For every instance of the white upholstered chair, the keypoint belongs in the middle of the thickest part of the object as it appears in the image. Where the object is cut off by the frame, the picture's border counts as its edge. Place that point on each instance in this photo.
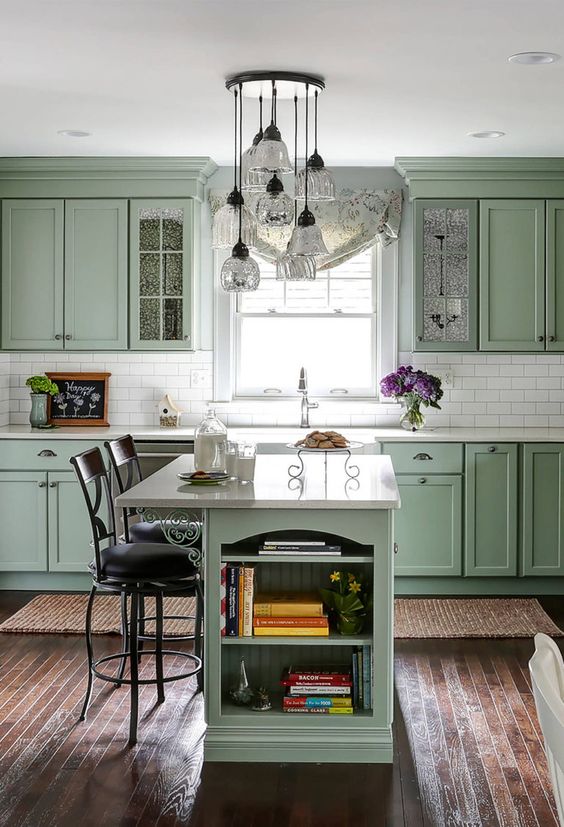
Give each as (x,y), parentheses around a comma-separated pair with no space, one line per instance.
(547,674)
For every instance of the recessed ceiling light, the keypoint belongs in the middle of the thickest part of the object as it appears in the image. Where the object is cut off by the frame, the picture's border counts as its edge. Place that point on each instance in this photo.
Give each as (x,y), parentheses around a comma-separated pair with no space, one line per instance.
(534,58)
(487,133)
(73,133)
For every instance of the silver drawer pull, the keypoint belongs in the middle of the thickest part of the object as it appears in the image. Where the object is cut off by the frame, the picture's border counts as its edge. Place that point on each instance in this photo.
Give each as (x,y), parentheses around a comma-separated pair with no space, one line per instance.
(423,456)
(422,480)
(46,452)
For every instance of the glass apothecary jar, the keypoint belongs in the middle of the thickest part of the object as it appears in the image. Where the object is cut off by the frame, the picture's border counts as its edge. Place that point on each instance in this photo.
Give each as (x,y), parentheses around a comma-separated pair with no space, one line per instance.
(210,444)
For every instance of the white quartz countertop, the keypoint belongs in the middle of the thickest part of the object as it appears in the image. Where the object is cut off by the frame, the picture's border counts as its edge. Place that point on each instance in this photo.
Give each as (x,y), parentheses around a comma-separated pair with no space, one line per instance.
(273,487)
(284,434)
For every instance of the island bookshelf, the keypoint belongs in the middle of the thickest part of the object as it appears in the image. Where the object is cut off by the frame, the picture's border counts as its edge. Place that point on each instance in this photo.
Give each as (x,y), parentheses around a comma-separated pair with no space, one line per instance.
(240,734)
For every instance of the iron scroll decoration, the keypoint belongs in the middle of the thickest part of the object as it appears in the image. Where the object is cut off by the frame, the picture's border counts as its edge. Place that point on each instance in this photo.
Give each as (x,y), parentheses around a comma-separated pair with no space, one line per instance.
(181,528)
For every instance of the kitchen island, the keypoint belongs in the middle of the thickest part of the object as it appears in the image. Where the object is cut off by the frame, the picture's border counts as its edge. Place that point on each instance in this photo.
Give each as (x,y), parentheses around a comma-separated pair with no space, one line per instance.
(357,514)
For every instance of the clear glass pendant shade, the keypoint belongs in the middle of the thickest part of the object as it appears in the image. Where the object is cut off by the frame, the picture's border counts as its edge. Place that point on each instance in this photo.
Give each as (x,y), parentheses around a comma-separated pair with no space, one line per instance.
(240,273)
(306,238)
(271,154)
(275,208)
(225,230)
(320,184)
(295,268)
(253,179)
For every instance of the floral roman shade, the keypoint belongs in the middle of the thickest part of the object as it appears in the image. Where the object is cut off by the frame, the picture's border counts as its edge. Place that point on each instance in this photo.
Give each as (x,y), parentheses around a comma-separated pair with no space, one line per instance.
(356,220)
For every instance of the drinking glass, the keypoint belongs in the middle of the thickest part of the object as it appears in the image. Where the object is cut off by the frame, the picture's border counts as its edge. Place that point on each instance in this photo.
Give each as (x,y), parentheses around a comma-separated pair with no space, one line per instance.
(246,458)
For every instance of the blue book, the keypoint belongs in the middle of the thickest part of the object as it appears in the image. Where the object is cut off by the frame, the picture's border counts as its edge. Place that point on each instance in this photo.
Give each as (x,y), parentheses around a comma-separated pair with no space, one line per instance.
(367,677)
(355,679)
(232,601)
(360,674)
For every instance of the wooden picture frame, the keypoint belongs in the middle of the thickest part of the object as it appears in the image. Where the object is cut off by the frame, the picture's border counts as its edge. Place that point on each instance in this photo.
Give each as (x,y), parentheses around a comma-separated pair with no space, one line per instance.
(79,388)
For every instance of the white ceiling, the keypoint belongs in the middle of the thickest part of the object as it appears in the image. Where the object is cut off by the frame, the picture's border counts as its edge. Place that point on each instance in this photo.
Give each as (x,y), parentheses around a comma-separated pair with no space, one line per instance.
(404,77)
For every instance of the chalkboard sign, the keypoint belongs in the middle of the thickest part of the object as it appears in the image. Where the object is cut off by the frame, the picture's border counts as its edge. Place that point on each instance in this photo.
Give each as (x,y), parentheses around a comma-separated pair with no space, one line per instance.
(82,399)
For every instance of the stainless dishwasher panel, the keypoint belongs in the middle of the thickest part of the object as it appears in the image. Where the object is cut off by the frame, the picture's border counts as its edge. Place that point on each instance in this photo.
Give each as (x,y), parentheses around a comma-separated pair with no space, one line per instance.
(155,455)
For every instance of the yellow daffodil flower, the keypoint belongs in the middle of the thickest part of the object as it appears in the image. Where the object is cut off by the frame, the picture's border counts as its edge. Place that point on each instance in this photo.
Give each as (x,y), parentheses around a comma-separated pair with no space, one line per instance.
(335,576)
(354,587)
(351,577)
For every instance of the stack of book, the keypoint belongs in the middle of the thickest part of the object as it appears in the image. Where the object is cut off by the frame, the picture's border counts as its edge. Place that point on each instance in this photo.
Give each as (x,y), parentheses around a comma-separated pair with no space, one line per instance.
(298,546)
(315,689)
(290,615)
(237,589)
(362,677)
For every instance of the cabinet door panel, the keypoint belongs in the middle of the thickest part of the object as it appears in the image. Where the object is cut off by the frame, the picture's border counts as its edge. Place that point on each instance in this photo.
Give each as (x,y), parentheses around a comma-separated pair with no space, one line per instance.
(69,526)
(542,508)
(491,510)
(23,517)
(162,239)
(446,253)
(428,527)
(96,274)
(512,277)
(32,274)
(555,275)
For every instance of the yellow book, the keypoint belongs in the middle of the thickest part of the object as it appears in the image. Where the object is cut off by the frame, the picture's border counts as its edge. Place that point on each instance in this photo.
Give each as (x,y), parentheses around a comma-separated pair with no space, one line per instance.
(291,631)
(291,604)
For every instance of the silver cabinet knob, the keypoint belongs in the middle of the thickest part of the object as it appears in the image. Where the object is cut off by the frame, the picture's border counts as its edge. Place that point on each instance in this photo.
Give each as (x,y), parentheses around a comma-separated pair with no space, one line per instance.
(491,449)
(46,452)
(540,338)
(551,338)
(58,337)
(422,480)
(52,485)
(68,337)
(41,485)
(187,338)
(420,338)
(396,548)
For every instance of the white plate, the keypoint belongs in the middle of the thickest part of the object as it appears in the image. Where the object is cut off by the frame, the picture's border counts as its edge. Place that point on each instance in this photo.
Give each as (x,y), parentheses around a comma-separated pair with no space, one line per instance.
(350,447)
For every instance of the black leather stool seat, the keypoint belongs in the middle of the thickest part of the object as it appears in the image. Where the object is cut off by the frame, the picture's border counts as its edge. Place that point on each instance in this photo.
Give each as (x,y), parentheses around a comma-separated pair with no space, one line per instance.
(143,532)
(136,561)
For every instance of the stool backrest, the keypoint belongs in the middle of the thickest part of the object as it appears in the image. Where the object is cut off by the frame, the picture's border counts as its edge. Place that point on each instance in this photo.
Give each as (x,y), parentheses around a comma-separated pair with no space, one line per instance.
(547,676)
(93,479)
(126,468)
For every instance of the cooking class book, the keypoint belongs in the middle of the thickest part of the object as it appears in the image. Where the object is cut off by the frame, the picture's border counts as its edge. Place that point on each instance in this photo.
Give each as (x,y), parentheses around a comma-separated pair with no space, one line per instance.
(290,604)
(323,710)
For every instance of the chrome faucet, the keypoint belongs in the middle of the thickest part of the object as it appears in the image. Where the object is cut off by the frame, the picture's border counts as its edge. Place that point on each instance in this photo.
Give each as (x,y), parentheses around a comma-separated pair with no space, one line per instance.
(306,404)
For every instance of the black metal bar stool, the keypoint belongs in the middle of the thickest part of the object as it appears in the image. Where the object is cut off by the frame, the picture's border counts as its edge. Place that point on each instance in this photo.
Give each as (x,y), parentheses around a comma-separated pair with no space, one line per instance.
(133,570)
(124,462)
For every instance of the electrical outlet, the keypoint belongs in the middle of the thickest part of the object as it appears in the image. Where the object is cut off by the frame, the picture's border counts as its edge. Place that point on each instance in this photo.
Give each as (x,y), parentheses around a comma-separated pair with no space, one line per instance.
(447,377)
(198,378)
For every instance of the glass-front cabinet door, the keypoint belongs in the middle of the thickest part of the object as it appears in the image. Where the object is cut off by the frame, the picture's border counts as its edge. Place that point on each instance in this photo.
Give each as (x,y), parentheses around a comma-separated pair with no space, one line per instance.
(162,302)
(445,275)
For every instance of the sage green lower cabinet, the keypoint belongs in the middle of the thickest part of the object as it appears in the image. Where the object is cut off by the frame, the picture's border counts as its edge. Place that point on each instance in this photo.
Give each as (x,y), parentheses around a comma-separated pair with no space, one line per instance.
(238,734)
(428,527)
(69,528)
(543,509)
(23,517)
(512,275)
(491,510)
(96,311)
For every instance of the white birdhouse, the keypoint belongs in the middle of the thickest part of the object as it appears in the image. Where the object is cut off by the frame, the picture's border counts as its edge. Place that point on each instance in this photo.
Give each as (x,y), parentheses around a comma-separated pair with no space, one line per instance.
(169,413)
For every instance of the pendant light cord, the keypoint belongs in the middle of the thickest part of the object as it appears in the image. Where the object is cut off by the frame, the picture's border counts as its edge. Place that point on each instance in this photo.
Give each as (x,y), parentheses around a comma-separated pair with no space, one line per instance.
(316,94)
(235,94)
(260,114)
(296,159)
(272,101)
(306,144)
(240,157)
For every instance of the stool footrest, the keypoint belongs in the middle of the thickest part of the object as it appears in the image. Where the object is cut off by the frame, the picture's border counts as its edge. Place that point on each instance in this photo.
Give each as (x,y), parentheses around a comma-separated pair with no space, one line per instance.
(146,681)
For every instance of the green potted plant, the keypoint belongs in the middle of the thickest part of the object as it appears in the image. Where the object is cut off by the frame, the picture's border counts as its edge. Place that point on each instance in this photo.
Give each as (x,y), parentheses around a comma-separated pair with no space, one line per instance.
(349,601)
(41,388)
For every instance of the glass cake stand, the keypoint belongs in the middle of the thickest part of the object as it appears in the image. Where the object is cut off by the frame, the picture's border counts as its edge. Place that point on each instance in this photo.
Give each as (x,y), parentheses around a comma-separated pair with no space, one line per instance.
(296,469)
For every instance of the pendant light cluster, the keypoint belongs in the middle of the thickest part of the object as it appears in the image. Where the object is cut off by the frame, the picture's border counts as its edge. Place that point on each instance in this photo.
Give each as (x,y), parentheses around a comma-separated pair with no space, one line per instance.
(260,169)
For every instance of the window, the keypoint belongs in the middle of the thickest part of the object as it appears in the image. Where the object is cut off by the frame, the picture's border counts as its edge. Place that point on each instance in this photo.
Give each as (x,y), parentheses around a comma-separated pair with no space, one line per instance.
(327,325)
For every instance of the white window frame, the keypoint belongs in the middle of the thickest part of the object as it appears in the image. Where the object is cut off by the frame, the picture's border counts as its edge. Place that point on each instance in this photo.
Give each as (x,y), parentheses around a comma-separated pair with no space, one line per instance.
(386,262)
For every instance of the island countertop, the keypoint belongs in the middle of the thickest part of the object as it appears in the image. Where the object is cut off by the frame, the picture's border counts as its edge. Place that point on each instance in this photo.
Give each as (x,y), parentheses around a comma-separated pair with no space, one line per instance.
(273,487)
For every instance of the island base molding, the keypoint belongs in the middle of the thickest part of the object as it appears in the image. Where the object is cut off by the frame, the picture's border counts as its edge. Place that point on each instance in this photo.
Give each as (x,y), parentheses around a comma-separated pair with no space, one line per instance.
(478,586)
(366,746)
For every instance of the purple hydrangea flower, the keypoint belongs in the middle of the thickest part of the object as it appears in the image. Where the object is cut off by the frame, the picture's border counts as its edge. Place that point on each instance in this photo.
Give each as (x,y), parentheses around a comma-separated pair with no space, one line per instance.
(416,386)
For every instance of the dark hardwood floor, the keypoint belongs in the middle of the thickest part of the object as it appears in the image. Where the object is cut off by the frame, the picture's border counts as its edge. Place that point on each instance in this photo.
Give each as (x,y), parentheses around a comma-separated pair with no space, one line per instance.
(468,749)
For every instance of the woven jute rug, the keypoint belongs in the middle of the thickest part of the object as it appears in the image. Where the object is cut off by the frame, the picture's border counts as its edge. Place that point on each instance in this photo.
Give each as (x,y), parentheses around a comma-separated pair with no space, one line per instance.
(487,617)
(65,614)
(414,617)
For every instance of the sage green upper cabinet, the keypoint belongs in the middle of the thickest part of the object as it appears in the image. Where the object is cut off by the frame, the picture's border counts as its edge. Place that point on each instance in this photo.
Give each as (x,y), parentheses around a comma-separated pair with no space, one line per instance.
(512,275)
(446,275)
(162,245)
(428,527)
(555,275)
(96,274)
(491,510)
(543,509)
(32,274)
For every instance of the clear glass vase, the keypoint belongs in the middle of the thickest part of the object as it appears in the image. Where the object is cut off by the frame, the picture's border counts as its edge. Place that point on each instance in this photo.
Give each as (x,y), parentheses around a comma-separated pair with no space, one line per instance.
(412,419)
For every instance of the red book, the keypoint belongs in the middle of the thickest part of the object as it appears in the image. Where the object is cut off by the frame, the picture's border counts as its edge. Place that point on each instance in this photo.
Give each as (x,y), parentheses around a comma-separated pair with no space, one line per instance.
(315,677)
(290,621)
